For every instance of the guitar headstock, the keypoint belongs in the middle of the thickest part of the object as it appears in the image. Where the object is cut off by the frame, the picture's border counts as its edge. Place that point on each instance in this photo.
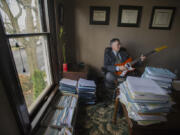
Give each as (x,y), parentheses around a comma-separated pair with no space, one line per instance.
(160,48)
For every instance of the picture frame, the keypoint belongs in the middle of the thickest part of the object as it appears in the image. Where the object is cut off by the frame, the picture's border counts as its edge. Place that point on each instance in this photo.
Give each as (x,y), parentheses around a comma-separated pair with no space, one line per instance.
(129,16)
(99,15)
(162,17)
(61,14)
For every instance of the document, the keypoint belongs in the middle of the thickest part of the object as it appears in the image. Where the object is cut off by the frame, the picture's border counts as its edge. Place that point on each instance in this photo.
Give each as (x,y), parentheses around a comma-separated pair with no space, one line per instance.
(144,86)
(69,82)
(86,83)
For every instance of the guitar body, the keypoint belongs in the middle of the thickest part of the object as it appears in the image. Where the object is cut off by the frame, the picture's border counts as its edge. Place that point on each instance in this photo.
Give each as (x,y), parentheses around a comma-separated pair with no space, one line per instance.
(119,73)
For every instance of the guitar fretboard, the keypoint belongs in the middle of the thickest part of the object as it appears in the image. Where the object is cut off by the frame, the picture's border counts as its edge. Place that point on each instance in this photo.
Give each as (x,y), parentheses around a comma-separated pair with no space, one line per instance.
(138,59)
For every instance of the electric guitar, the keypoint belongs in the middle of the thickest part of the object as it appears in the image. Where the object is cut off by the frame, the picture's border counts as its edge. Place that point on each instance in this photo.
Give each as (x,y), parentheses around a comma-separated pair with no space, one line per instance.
(129,62)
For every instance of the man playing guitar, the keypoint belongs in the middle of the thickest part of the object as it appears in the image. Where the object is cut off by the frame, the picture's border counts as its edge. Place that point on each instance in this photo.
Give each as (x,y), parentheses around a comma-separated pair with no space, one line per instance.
(113,57)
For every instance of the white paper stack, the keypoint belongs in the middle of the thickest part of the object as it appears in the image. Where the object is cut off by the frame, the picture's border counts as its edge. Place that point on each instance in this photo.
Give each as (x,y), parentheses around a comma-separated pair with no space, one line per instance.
(163,77)
(146,102)
(145,89)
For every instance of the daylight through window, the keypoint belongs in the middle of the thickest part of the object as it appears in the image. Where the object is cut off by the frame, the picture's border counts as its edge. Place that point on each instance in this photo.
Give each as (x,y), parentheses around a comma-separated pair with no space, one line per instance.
(30,52)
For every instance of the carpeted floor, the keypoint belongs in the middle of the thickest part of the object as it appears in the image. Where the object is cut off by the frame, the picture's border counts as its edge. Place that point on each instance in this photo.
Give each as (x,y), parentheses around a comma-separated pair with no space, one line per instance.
(97,119)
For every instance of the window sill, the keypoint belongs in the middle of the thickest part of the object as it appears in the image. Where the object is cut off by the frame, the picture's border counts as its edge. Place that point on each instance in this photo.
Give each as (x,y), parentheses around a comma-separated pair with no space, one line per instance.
(43,108)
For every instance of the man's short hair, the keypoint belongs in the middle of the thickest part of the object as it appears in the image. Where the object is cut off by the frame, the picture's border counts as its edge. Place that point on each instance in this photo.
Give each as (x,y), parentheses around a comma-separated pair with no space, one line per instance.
(114,40)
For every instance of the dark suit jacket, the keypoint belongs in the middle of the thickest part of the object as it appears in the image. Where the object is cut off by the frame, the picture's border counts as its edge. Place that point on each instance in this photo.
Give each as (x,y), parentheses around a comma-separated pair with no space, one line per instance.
(110,59)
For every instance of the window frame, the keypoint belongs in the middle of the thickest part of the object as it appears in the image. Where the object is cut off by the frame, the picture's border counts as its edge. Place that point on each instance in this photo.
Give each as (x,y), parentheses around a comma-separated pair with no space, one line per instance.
(9,71)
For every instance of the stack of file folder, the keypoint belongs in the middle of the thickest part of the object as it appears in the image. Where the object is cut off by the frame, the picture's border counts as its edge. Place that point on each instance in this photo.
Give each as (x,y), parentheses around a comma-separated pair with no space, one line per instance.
(67,101)
(87,91)
(62,117)
(68,86)
(54,131)
(64,114)
(146,102)
(163,77)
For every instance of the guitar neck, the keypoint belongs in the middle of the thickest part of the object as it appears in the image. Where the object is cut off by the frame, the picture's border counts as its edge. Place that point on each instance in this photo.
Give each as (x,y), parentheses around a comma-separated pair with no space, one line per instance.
(138,59)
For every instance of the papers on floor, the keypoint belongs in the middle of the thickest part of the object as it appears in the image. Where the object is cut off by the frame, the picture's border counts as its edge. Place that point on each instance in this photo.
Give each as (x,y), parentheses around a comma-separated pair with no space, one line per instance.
(65,131)
(163,77)
(54,131)
(87,91)
(68,86)
(146,102)
(63,117)
(86,83)
(67,101)
(64,114)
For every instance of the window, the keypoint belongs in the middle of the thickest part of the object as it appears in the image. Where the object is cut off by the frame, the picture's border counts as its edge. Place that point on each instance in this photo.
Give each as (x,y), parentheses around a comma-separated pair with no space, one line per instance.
(21,16)
(26,30)
(32,63)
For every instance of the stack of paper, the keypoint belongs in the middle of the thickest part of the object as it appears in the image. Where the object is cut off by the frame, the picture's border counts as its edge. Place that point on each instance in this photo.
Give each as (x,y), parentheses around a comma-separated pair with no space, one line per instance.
(63,117)
(65,131)
(53,131)
(68,86)
(67,101)
(163,77)
(145,101)
(87,91)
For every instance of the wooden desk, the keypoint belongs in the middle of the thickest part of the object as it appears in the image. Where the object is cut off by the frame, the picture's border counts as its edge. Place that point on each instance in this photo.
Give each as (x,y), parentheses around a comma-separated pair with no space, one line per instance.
(171,127)
(76,72)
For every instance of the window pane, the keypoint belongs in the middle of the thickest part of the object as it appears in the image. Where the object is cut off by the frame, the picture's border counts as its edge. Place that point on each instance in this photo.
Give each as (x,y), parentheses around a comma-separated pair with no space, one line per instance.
(32,62)
(21,16)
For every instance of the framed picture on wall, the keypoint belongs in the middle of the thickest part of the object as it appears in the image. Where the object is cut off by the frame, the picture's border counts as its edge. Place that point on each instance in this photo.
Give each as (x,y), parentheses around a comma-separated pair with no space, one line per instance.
(61,14)
(129,16)
(162,18)
(99,15)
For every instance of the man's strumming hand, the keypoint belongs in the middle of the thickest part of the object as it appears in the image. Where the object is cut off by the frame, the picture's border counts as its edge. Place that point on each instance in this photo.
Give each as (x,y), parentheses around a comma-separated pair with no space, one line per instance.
(142,57)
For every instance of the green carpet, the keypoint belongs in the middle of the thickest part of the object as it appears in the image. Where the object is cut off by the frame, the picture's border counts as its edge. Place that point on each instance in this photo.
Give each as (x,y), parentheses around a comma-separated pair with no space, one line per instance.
(97,119)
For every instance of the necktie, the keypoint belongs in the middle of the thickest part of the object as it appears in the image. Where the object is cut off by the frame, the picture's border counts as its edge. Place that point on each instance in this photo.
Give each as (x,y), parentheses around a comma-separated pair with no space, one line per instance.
(118,59)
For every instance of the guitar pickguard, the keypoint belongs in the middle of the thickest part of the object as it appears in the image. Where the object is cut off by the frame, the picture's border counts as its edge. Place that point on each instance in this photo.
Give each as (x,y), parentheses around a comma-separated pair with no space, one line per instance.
(129,68)
(127,65)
